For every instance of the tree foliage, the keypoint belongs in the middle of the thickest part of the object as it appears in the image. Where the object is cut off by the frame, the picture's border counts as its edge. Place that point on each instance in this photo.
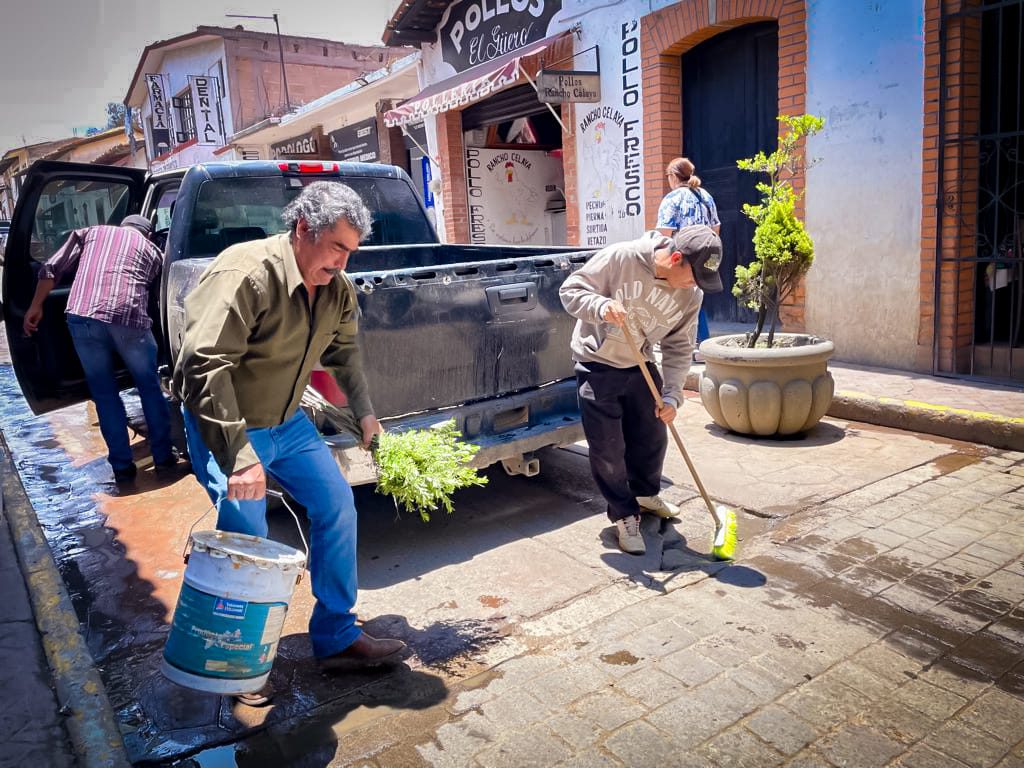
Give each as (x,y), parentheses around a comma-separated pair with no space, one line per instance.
(115,114)
(783,251)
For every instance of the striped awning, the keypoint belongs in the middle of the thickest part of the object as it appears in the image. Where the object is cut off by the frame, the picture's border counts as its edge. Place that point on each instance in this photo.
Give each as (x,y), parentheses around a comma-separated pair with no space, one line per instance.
(466,87)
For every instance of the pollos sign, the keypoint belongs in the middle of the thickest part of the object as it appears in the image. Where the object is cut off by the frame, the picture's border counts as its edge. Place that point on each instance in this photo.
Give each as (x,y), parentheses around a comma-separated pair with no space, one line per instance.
(477,31)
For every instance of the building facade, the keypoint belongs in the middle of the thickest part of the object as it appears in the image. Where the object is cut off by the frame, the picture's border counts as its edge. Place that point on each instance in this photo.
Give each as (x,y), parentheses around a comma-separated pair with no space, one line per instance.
(109,147)
(914,192)
(348,125)
(197,90)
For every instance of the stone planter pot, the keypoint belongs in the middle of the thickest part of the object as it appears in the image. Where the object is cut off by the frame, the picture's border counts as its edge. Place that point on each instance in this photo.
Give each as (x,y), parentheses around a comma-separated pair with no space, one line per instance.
(779,391)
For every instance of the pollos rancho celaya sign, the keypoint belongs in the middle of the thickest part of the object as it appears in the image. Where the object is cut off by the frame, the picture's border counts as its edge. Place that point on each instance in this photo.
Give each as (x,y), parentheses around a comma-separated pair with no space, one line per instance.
(477,31)
(558,86)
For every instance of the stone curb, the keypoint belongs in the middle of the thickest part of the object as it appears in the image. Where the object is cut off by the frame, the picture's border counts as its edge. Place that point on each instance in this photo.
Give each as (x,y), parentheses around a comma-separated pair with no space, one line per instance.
(92,729)
(943,420)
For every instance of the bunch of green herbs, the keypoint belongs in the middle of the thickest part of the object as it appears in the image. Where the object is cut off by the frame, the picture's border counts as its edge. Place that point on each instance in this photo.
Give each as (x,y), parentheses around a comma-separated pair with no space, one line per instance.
(422,468)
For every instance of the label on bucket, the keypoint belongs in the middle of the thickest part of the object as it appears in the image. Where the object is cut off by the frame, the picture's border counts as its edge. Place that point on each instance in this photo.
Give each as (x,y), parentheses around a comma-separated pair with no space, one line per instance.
(213,636)
(230,609)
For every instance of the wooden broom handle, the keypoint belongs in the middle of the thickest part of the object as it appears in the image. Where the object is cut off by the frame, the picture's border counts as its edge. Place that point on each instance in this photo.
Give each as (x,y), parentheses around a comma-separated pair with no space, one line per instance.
(672,427)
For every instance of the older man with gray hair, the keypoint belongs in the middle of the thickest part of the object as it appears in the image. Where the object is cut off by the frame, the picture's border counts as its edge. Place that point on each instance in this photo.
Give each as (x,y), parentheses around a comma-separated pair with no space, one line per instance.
(262,316)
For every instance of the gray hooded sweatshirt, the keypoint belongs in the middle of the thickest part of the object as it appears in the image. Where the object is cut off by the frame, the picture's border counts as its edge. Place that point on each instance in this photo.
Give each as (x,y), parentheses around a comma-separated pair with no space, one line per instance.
(657,312)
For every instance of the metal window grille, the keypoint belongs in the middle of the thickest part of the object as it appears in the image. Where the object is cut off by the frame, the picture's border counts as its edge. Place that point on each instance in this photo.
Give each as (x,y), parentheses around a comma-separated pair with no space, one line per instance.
(186,116)
(979,275)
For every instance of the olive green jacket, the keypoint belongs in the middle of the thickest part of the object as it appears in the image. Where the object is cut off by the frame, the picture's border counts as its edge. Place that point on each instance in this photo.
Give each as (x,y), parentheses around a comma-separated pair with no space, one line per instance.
(251,341)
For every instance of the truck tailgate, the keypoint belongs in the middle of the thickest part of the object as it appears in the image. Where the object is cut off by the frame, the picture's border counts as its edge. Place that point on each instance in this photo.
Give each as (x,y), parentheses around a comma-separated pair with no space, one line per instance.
(461,333)
(441,336)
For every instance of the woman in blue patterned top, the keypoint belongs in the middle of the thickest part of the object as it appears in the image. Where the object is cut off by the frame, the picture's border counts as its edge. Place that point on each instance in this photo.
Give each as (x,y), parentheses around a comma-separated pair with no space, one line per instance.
(687,204)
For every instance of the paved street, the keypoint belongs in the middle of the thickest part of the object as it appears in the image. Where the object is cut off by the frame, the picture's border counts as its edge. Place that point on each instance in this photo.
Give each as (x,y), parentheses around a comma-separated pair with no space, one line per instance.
(882,628)
(873,617)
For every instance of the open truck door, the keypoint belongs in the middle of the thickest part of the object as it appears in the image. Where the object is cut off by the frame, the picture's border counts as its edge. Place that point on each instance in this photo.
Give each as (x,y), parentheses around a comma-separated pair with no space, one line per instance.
(56,199)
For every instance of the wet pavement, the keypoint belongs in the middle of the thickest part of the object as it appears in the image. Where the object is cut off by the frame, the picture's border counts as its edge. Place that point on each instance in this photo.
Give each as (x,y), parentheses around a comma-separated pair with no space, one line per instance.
(31,720)
(879,585)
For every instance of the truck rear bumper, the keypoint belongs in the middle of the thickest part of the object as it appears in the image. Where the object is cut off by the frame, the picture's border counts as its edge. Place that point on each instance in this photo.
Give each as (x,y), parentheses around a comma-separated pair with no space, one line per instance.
(504,428)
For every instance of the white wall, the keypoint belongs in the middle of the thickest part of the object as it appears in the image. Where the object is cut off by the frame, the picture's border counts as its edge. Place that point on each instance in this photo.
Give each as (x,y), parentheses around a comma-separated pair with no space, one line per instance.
(198,59)
(863,201)
(610,133)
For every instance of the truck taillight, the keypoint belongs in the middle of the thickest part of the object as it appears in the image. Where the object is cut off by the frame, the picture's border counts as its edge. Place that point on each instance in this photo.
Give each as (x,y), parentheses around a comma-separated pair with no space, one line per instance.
(309,167)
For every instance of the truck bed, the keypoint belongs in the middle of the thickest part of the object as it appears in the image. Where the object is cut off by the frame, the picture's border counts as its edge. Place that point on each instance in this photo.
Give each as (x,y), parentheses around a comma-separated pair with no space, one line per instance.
(474,333)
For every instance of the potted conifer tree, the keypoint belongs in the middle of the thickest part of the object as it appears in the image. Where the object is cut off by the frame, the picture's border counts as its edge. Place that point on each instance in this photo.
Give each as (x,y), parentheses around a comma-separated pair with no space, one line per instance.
(764,382)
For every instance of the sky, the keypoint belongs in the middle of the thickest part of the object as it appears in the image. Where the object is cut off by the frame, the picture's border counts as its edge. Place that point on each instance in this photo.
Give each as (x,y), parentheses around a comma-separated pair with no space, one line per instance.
(61,61)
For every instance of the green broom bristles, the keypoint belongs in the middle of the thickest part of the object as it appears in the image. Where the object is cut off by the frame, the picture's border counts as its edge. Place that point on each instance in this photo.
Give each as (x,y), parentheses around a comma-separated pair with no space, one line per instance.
(724,545)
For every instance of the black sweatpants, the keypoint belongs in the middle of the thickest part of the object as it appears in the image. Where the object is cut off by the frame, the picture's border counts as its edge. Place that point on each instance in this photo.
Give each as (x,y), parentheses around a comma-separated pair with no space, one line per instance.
(627,440)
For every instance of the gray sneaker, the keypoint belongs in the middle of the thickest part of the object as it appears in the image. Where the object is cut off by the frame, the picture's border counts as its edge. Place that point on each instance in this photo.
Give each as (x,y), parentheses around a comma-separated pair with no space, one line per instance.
(630,540)
(658,506)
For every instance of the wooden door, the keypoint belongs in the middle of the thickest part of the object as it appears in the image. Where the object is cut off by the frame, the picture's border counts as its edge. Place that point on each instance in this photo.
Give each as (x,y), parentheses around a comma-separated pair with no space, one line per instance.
(730,102)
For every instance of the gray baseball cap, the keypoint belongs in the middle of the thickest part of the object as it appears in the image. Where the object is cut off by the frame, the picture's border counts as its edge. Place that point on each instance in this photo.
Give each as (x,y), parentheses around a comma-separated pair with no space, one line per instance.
(703,249)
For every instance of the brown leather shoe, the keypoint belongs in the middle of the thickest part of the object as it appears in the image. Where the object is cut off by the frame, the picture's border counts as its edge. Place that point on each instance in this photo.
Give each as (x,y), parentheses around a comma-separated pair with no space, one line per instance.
(365,652)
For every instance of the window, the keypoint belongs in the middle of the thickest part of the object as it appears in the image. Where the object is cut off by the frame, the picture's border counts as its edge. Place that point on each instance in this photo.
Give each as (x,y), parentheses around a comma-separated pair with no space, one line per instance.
(230,211)
(164,206)
(67,205)
(185,119)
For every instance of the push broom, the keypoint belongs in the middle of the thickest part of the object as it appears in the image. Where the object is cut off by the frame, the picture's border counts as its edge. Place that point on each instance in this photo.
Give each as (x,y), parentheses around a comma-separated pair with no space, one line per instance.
(723,547)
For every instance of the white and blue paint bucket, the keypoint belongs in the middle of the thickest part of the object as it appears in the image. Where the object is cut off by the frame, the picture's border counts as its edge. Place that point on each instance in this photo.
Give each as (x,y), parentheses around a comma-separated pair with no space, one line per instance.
(230,612)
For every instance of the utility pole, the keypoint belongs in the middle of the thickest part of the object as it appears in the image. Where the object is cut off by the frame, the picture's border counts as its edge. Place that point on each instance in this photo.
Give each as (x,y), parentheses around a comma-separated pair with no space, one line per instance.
(280,50)
(284,74)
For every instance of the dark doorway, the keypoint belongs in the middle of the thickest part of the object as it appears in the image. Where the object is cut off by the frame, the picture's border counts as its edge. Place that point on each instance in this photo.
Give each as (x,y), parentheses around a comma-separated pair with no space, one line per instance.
(989,135)
(730,101)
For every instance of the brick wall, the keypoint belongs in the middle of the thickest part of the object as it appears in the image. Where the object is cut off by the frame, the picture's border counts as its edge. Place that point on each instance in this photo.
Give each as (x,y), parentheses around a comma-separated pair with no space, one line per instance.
(313,67)
(665,36)
(390,140)
(452,153)
(570,171)
(951,210)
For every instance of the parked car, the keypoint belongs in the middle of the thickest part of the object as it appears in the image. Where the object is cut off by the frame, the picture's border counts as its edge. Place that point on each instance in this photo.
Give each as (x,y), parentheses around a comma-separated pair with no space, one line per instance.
(474,333)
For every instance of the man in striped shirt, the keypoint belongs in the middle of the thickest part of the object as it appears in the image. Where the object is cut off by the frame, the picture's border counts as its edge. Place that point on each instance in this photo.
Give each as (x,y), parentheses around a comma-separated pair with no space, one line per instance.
(107,313)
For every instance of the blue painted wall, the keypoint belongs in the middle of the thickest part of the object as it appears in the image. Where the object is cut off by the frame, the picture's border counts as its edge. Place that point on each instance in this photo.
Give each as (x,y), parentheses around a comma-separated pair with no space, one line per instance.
(865,75)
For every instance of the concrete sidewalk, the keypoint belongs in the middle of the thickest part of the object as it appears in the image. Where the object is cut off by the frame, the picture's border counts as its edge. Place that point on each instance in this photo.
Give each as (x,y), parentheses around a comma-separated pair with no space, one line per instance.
(954,408)
(959,409)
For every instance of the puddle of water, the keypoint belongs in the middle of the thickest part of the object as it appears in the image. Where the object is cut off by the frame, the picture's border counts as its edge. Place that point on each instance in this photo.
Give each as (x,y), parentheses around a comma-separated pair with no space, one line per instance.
(951,462)
(218,757)
(620,658)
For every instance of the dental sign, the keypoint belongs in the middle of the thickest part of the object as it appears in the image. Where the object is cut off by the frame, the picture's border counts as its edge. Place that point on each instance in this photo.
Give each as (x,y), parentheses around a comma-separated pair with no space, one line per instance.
(477,31)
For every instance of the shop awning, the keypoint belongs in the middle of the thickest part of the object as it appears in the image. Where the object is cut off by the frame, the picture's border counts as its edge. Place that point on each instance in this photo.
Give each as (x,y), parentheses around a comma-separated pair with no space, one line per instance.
(466,87)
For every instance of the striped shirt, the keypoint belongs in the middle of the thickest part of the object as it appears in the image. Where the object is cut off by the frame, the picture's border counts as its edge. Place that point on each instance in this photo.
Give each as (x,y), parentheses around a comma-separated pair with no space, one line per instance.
(116,266)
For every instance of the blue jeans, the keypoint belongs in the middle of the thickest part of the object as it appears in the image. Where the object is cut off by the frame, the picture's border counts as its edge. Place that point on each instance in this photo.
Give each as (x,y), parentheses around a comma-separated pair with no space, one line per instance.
(95,342)
(295,456)
(703,332)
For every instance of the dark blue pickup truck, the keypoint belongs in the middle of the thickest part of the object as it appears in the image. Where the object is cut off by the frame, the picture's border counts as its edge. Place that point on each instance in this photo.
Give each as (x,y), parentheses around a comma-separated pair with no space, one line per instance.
(465,332)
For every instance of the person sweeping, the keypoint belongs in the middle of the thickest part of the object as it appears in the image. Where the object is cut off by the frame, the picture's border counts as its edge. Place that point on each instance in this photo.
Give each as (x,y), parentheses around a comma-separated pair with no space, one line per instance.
(655,284)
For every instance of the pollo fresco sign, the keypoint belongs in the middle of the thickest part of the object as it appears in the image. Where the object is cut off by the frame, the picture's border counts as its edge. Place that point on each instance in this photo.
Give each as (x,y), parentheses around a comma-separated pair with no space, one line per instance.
(477,31)
(609,147)
(508,195)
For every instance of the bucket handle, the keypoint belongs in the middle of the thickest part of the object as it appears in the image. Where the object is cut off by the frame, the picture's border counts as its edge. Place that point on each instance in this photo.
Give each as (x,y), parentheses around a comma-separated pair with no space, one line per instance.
(269,492)
(279,495)
(188,538)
